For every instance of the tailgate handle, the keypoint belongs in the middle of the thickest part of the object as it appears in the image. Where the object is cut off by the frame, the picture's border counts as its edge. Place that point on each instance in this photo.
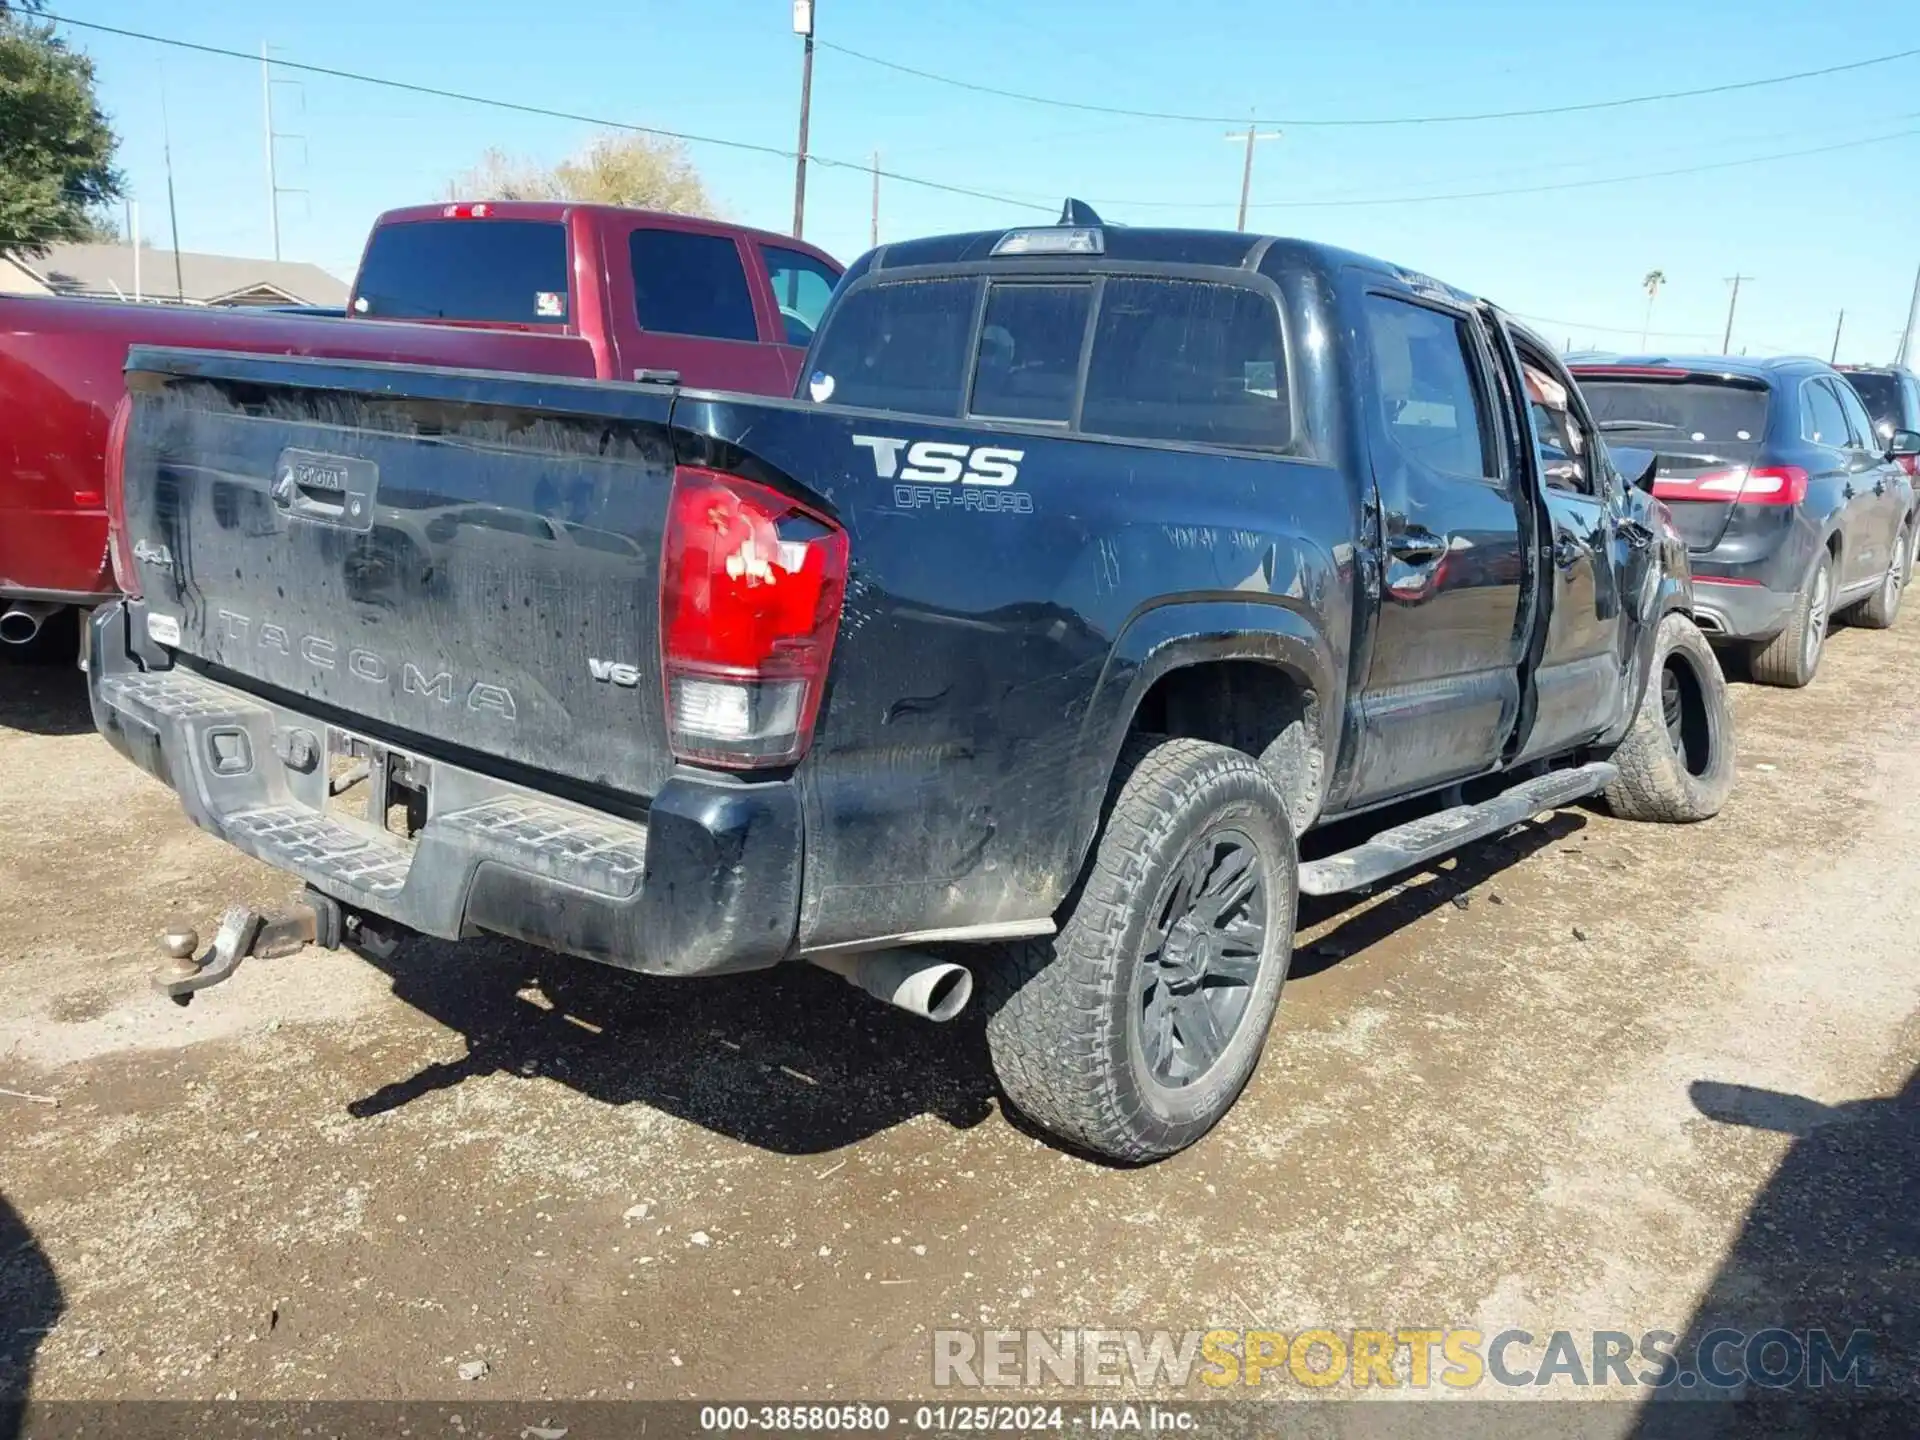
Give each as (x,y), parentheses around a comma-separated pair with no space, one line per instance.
(324,489)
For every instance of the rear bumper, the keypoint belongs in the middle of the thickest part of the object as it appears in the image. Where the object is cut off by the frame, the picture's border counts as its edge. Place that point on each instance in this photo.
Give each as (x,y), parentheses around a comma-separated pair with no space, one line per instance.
(1740,610)
(706,883)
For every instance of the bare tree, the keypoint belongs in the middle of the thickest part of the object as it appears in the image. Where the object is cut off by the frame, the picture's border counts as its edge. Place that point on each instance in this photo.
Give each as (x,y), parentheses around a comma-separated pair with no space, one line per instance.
(632,170)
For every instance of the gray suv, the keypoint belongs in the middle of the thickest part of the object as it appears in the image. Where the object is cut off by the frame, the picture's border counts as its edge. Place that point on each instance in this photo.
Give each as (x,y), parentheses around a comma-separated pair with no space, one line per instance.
(1792,506)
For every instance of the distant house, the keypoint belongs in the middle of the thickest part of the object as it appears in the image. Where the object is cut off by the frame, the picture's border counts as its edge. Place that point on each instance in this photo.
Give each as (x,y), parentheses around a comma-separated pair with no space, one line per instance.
(107,272)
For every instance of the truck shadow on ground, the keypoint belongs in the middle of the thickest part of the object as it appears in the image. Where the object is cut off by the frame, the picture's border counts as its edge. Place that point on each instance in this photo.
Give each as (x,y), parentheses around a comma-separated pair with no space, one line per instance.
(43,696)
(1416,894)
(791,1060)
(30,1305)
(1831,1244)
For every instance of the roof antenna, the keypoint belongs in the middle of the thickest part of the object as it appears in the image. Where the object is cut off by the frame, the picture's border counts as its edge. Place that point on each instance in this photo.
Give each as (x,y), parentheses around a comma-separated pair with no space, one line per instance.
(1078,212)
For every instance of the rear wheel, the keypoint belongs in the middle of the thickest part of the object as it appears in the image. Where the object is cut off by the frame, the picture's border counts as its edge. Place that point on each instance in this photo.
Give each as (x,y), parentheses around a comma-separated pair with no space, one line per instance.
(1676,764)
(1880,610)
(1792,657)
(1133,1030)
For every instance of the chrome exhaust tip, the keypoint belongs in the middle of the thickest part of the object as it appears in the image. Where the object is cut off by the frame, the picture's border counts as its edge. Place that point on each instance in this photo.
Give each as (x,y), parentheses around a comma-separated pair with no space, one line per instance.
(22,620)
(910,980)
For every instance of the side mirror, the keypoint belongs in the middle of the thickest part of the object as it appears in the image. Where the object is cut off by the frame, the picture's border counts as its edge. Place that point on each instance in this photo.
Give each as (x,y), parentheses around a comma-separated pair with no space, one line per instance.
(1903,442)
(1645,479)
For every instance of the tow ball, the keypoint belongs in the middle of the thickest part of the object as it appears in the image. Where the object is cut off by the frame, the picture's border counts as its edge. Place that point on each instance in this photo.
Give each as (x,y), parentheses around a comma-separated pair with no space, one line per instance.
(308,919)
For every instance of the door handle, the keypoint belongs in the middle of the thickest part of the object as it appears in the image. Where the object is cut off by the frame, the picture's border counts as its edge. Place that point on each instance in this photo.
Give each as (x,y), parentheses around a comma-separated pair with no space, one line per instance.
(1416,545)
(1634,533)
(1880,485)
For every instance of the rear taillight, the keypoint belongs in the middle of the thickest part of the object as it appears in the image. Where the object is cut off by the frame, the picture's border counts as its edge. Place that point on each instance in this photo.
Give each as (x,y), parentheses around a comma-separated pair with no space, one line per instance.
(1761,485)
(119,547)
(751,585)
(1910,464)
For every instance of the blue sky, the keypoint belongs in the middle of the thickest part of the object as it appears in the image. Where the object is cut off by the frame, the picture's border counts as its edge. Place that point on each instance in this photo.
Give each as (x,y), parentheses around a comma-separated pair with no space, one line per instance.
(1818,232)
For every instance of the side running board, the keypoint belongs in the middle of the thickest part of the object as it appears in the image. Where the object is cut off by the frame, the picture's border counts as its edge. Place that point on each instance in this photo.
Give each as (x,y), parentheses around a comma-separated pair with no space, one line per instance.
(1422,841)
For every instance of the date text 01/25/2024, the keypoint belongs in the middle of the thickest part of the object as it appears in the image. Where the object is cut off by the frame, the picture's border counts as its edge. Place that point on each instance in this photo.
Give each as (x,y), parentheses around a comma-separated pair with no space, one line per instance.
(946,1419)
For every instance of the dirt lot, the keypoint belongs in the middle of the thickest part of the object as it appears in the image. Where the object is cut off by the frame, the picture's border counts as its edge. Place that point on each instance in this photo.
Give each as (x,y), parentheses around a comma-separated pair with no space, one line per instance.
(1480,1108)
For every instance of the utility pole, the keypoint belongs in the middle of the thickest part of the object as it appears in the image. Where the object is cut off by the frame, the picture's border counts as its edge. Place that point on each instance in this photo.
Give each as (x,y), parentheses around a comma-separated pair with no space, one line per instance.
(1913,322)
(173,213)
(1726,341)
(1835,356)
(1246,171)
(273,187)
(874,240)
(803,27)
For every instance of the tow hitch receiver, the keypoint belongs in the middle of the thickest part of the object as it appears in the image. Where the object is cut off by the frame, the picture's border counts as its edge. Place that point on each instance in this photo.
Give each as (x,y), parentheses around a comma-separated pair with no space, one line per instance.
(310,919)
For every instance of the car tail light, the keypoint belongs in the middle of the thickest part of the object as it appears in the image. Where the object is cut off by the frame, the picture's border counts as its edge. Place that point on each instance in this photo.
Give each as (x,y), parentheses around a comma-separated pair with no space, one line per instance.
(1760,485)
(1910,464)
(119,547)
(751,586)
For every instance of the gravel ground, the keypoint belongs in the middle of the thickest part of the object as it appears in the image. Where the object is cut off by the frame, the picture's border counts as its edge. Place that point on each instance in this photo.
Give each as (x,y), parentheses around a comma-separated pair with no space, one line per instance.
(1592,1076)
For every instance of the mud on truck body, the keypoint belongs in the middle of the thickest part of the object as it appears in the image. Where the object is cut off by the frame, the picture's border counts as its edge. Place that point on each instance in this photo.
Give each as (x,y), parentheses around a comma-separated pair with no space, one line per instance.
(1089,570)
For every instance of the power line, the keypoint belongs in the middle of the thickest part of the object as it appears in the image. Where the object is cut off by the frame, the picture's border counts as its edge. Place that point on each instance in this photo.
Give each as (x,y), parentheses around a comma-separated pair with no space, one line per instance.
(1027,202)
(1356,201)
(1583,184)
(544,112)
(1612,329)
(1330,122)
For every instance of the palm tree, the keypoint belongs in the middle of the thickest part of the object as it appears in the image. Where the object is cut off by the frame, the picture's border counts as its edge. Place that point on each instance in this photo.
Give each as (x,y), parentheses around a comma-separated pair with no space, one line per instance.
(1655,279)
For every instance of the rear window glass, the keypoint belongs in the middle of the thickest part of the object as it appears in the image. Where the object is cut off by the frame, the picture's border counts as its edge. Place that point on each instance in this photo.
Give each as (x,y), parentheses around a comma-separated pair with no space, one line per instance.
(687,284)
(1188,361)
(505,271)
(1030,351)
(1882,396)
(1698,410)
(898,346)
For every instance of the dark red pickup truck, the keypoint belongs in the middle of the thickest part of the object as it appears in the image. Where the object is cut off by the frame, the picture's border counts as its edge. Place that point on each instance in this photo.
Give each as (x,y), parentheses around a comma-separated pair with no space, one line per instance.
(547,288)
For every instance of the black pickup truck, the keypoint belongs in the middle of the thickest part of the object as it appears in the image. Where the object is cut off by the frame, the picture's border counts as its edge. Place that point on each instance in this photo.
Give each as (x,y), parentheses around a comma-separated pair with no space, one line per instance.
(1091,569)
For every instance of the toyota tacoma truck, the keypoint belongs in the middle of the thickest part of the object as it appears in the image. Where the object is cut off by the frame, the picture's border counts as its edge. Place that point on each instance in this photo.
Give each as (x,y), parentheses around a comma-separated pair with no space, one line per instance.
(547,287)
(1089,570)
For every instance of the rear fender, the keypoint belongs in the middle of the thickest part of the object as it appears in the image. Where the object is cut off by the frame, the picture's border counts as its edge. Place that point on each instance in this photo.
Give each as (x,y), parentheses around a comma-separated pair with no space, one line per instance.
(1169,637)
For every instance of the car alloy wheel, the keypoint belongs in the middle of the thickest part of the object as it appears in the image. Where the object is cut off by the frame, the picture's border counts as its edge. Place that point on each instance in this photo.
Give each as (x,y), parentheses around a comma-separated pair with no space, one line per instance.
(1202,957)
(1818,612)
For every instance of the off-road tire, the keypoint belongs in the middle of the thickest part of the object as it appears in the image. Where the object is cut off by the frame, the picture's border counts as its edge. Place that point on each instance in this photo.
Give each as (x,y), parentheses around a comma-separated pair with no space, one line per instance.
(1664,779)
(1879,610)
(1784,660)
(1064,1022)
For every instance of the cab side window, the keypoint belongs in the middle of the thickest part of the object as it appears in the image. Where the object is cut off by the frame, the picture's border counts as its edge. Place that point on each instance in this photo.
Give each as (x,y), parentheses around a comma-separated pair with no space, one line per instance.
(1822,421)
(801,288)
(1431,405)
(1860,423)
(1564,444)
(686,283)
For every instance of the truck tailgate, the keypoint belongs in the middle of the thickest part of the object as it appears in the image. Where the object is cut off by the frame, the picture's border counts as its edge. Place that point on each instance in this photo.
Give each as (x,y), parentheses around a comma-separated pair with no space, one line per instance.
(463,561)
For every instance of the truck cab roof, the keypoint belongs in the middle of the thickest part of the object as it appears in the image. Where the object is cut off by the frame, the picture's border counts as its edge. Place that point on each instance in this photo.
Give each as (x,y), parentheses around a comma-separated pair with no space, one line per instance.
(559,211)
(1131,245)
